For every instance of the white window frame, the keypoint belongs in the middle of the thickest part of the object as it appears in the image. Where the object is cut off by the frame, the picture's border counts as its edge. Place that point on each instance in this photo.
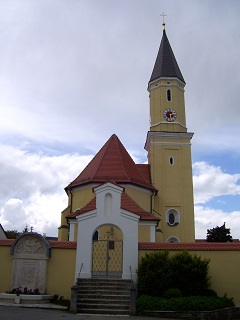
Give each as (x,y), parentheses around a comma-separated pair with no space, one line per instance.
(176,217)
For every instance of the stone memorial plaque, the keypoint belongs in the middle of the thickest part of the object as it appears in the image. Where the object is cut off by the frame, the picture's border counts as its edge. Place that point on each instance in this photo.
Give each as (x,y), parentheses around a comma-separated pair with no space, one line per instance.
(30,256)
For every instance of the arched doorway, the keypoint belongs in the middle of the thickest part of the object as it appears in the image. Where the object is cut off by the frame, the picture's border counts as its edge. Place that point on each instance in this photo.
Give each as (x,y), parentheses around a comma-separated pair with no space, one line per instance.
(107,252)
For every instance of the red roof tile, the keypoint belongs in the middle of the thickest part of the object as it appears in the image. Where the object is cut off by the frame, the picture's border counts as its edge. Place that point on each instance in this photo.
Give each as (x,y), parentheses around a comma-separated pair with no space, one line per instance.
(127,203)
(91,205)
(63,244)
(190,246)
(113,164)
(6,242)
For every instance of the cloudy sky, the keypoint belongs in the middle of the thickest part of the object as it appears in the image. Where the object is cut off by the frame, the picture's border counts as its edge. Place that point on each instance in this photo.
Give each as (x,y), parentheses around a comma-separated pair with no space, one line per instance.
(73,72)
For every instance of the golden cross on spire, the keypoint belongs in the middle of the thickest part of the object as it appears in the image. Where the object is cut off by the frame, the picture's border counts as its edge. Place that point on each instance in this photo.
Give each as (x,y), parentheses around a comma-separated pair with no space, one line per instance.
(163,23)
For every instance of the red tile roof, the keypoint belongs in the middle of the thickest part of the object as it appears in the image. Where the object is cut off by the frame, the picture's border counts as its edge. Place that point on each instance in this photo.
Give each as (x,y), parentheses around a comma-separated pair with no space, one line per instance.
(190,246)
(63,244)
(113,164)
(177,246)
(53,243)
(127,203)
(91,205)
(6,242)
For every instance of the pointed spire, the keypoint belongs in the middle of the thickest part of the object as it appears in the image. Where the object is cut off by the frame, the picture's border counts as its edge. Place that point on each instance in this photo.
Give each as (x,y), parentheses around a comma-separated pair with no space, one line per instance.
(166,64)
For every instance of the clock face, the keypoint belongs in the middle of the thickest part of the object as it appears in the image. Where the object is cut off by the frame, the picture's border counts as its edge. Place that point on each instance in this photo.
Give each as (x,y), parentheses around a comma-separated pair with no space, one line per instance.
(170,115)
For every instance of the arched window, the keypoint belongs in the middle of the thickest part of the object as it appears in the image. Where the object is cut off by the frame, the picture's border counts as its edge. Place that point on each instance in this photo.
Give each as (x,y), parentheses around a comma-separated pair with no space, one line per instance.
(172,239)
(95,236)
(173,217)
(171,161)
(169,95)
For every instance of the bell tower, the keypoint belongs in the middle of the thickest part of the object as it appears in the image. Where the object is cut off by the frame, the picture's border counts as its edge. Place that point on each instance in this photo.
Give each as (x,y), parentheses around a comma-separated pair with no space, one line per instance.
(168,145)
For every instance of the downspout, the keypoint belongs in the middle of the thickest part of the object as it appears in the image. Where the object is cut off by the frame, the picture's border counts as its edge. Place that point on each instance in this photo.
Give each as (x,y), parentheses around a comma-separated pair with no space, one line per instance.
(70,201)
(70,212)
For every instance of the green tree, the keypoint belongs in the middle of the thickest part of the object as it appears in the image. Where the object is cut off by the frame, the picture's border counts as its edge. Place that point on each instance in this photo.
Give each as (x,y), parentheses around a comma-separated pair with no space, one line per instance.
(219,234)
(12,234)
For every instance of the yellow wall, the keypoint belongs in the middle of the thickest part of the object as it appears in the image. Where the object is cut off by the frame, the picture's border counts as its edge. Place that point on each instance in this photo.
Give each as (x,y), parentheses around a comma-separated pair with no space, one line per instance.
(81,196)
(175,189)
(144,234)
(78,199)
(224,269)
(6,262)
(141,197)
(61,271)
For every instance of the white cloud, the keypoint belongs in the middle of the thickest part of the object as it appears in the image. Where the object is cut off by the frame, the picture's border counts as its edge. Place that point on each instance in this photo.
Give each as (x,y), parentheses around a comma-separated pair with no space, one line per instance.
(210,181)
(32,188)
(208,218)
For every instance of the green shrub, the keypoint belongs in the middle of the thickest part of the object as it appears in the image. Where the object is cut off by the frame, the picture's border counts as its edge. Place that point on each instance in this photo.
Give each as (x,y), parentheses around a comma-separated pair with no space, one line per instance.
(172,293)
(194,303)
(159,272)
(190,273)
(153,274)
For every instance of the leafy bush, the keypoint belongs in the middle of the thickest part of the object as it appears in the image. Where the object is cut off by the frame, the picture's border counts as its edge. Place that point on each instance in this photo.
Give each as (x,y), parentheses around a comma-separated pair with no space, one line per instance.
(153,274)
(159,272)
(194,303)
(172,293)
(190,273)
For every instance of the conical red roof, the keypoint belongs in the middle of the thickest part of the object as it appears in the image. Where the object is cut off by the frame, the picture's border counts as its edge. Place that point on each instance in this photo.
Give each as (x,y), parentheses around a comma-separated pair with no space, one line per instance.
(113,164)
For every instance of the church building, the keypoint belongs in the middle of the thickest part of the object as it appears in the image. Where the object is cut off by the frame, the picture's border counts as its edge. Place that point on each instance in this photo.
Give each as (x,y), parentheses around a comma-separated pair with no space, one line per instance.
(119,211)
(114,203)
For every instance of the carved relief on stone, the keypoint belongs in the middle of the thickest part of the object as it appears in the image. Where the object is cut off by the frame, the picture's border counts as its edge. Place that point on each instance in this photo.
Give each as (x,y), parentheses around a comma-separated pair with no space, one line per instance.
(30,256)
(30,245)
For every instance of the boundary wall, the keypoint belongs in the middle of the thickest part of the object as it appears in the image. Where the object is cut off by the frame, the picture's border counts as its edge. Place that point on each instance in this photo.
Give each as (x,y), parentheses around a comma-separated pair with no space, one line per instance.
(224,267)
(60,267)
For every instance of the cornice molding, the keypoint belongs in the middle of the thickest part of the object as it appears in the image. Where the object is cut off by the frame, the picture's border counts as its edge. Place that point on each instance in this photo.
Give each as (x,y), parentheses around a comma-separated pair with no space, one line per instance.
(168,136)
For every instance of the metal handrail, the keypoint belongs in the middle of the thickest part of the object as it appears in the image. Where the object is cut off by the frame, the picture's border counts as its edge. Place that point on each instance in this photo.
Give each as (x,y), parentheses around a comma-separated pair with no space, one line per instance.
(80,271)
(131,274)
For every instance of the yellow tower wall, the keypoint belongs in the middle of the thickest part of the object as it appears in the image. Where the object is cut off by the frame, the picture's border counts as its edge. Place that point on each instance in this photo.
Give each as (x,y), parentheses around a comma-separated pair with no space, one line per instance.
(169,155)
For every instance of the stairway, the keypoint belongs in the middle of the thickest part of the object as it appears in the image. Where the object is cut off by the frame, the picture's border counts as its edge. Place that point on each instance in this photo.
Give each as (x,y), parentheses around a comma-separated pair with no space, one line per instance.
(103,296)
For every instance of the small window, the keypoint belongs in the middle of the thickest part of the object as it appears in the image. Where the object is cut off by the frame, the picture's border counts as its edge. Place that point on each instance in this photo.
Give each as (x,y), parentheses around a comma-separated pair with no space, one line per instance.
(171,161)
(169,95)
(172,217)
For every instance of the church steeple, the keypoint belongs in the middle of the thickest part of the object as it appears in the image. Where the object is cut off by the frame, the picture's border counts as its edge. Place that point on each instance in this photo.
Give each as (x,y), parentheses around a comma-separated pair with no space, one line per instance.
(166,64)
(169,149)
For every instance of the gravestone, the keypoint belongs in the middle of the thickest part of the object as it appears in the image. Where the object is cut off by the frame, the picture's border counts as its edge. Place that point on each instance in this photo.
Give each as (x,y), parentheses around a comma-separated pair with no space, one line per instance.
(31,253)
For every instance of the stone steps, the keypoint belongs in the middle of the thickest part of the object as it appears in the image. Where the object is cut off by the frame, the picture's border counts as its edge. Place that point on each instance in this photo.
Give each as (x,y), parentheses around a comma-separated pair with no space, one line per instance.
(103,296)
